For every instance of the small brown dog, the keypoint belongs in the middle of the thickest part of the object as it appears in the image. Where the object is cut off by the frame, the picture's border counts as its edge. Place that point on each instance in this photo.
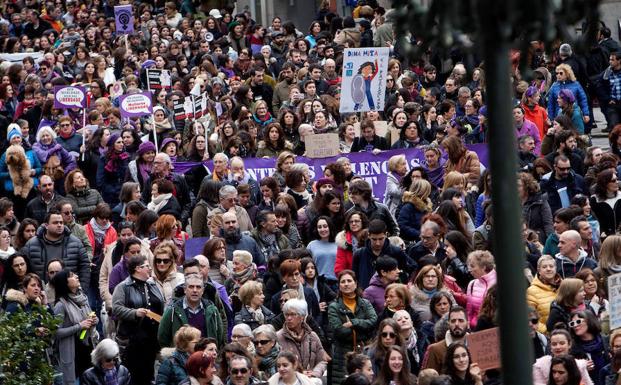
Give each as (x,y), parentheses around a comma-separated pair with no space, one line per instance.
(19,170)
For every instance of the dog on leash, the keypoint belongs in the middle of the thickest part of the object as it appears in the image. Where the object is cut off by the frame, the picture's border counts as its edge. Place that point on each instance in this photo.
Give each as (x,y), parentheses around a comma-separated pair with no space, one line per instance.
(19,170)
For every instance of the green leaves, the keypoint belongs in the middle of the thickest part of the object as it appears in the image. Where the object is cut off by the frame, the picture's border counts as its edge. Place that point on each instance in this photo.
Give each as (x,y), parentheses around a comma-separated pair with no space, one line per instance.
(24,338)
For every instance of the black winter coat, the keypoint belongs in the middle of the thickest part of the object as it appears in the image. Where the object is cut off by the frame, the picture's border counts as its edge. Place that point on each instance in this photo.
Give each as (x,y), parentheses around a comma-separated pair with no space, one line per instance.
(538,215)
(96,376)
(609,218)
(73,254)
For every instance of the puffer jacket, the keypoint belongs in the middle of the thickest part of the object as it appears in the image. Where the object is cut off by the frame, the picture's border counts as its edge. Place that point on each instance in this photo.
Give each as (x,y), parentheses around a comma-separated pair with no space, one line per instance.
(538,215)
(410,216)
(84,202)
(172,370)
(364,320)
(539,296)
(96,376)
(477,289)
(309,350)
(175,317)
(529,128)
(541,371)
(73,255)
(575,88)
(374,293)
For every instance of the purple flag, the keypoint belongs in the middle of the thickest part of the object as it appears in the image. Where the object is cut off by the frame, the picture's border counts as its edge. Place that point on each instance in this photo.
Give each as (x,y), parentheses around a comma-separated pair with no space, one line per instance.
(124,18)
(136,105)
(372,168)
(69,97)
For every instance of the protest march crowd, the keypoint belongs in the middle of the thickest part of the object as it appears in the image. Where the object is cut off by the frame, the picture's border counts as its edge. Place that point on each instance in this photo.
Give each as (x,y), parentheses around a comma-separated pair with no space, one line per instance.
(128,210)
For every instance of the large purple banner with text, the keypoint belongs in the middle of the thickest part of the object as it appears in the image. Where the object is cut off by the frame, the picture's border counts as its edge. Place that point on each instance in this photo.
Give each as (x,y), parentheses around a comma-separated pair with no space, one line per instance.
(373,168)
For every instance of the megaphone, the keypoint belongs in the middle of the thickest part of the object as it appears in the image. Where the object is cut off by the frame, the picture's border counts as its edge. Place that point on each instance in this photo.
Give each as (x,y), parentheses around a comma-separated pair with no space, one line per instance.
(209,37)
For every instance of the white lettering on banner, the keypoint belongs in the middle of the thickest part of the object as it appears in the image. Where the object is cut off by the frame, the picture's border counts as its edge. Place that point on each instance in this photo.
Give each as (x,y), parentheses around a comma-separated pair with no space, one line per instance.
(614,296)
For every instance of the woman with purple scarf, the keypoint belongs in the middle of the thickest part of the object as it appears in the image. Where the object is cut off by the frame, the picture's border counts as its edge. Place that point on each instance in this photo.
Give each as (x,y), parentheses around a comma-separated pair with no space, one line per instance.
(46,147)
(139,169)
(107,368)
(111,169)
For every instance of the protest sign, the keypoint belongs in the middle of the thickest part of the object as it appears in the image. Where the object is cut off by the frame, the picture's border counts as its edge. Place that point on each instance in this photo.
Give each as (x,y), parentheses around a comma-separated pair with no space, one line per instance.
(69,97)
(394,135)
(158,79)
(194,247)
(124,19)
(364,79)
(116,90)
(200,105)
(322,145)
(179,114)
(614,296)
(372,168)
(485,348)
(136,105)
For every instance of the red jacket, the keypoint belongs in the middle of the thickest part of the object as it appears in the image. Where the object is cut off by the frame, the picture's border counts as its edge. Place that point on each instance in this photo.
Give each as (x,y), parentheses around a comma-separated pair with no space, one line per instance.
(109,238)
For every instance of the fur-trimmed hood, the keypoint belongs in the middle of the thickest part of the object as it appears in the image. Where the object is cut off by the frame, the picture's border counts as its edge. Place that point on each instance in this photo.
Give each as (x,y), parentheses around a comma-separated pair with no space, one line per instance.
(343,239)
(421,205)
(16,296)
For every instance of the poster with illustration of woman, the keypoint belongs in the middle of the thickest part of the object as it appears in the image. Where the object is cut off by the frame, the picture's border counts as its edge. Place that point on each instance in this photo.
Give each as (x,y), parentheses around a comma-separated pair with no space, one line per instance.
(364,79)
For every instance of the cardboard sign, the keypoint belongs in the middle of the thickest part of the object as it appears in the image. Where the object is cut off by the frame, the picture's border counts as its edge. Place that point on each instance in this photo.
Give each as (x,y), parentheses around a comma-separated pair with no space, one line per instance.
(485,348)
(614,296)
(158,79)
(322,145)
(394,135)
(154,316)
(364,79)
(69,97)
(136,105)
(124,19)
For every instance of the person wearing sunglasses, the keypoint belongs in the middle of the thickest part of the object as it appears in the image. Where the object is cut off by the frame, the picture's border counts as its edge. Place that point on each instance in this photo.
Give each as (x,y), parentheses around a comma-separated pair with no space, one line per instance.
(589,344)
(165,272)
(540,341)
(240,371)
(107,366)
(389,334)
(267,350)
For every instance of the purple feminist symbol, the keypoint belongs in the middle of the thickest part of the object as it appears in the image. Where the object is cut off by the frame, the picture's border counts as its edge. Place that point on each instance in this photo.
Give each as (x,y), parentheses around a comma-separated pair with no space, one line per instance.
(124,18)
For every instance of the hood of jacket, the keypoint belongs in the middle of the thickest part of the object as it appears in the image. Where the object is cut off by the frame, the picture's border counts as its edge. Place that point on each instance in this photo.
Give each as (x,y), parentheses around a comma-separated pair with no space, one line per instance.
(376,281)
(167,353)
(564,259)
(16,296)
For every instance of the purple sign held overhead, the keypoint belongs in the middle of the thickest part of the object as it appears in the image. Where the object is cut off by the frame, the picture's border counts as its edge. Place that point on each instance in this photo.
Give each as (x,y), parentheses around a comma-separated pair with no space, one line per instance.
(69,97)
(124,18)
(136,105)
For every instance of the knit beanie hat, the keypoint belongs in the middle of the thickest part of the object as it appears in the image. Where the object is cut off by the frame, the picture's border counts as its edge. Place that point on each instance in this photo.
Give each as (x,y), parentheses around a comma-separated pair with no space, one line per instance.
(113,138)
(13,131)
(146,147)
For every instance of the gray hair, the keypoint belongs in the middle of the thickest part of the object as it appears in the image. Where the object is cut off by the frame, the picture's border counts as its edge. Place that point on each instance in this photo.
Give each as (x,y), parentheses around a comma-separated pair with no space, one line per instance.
(298,306)
(245,329)
(165,157)
(300,166)
(105,349)
(194,277)
(266,329)
(433,226)
(223,156)
(227,190)
(464,91)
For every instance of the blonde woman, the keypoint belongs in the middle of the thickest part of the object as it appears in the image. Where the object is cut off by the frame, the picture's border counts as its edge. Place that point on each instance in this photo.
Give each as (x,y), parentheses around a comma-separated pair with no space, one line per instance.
(542,291)
(165,272)
(416,204)
(566,79)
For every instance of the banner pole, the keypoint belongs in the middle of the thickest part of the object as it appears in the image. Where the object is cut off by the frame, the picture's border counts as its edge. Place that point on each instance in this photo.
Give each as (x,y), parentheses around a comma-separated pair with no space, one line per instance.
(154,133)
(83,131)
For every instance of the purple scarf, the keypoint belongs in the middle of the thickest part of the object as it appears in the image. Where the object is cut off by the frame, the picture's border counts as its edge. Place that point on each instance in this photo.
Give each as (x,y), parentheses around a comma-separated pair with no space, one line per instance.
(114,159)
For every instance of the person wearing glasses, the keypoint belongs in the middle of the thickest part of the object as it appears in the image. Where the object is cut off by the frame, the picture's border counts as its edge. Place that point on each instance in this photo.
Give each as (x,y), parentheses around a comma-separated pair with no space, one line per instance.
(67,136)
(165,272)
(560,344)
(606,202)
(134,302)
(240,371)
(589,343)
(297,336)
(107,368)
(267,349)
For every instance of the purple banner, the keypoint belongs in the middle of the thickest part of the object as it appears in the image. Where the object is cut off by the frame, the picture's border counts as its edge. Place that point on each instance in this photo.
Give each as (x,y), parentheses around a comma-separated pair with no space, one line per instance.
(124,19)
(136,105)
(69,97)
(373,168)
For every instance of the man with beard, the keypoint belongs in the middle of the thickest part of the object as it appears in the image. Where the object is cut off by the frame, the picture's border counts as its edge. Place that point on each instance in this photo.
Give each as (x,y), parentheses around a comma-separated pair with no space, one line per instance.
(458,330)
(268,237)
(236,240)
(281,91)
(330,74)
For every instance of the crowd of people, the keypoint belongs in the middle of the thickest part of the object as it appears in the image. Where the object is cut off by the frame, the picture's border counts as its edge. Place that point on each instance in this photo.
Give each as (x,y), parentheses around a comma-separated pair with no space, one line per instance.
(301,279)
